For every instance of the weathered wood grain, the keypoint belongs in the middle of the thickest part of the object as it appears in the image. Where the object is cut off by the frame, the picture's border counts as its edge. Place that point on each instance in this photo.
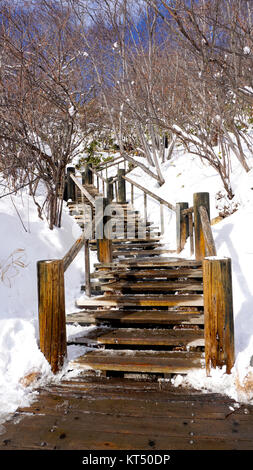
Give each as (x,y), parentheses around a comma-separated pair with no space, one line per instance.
(218,307)
(142,300)
(182,226)
(200,199)
(149,274)
(208,235)
(147,317)
(140,361)
(51,309)
(159,285)
(144,337)
(96,413)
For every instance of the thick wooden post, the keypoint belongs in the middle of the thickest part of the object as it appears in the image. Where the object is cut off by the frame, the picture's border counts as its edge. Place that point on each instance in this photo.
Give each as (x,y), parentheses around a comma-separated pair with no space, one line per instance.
(182,225)
(65,193)
(104,245)
(88,175)
(87,267)
(51,307)
(200,199)
(190,219)
(71,188)
(218,313)
(121,186)
(109,189)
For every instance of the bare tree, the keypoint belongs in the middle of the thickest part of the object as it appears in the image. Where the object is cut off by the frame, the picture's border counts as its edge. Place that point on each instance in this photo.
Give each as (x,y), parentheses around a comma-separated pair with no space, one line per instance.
(43,98)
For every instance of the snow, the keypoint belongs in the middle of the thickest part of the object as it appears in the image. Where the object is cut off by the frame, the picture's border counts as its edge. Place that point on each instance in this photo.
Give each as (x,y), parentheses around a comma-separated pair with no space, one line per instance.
(25,239)
(71,110)
(246,50)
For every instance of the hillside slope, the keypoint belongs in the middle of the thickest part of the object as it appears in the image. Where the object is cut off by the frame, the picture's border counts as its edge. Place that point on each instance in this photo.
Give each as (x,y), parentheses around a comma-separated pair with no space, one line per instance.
(25,239)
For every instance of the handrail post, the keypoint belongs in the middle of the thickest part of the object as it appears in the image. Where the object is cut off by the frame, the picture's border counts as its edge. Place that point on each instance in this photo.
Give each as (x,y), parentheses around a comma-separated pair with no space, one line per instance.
(218,313)
(200,199)
(88,175)
(51,309)
(109,189)
(121,186)
(104,245)
(87,267)
(190,220)
(182,225)
(71,188)
(116,190)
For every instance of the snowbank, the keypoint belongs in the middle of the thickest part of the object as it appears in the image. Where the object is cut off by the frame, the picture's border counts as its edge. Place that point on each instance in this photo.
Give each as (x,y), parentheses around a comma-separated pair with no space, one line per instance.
(25,239)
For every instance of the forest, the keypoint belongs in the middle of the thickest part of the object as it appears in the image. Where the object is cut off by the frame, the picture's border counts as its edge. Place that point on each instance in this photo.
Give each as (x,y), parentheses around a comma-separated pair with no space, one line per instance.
(78,77)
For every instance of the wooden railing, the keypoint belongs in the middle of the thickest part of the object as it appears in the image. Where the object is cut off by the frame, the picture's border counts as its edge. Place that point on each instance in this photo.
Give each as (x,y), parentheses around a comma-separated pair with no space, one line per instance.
(84,191)
(217,281)
(193,222)
(207,231)
(51,302)
(146,192)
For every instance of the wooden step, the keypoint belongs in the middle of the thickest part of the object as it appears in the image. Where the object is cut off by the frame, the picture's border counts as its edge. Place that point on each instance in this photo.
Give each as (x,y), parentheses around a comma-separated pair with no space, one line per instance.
(144,337)
(142,300)
(148,317)
(182,286)
(132,240)
(131,245)
(138,252)
(140,361)
(163,261)
(152,263)
(149,274)
(131,221)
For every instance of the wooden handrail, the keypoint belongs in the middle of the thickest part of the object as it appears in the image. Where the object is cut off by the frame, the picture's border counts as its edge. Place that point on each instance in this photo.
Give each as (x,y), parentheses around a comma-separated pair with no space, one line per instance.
(187,211)
(110,163)
(98,175)
(208,235)
(154,196)
(83,190)
(73,251)
(141,165)
(115,178)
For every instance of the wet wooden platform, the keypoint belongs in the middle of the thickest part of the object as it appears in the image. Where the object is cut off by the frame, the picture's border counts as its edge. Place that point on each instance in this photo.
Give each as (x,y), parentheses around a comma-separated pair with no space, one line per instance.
(101,413)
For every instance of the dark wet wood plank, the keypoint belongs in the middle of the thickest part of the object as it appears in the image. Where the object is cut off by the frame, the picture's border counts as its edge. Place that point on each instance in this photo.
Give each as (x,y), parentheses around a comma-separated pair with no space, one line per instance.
(139,253)
(98,413)
(156,317)
(164,362)
(183,286)
(143,337)
(149,274)
(152,263)
(142,300)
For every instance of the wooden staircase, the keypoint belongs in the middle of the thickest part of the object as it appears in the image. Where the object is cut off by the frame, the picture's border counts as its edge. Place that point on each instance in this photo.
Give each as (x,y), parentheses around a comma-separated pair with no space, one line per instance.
(149,316)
